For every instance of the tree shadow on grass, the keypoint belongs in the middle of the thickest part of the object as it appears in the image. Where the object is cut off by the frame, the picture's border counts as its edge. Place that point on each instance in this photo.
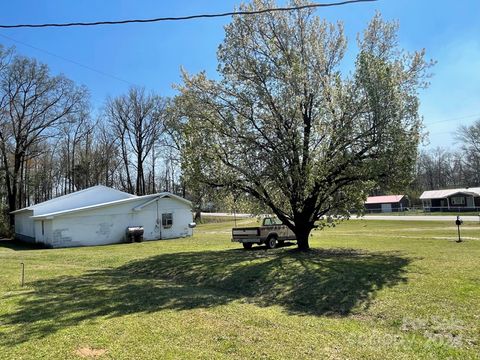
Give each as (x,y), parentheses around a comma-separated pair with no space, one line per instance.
(320,282)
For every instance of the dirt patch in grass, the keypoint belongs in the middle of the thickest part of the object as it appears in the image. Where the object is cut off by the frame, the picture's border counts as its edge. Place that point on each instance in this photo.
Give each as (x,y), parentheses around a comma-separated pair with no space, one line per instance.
(90,353)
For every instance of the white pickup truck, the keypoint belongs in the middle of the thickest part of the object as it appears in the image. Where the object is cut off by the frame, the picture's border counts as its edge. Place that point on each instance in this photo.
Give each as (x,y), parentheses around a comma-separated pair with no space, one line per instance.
(271,232)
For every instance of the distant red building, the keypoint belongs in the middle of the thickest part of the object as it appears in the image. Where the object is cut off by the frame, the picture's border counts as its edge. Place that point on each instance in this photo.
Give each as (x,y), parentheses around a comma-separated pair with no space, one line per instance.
(386,203)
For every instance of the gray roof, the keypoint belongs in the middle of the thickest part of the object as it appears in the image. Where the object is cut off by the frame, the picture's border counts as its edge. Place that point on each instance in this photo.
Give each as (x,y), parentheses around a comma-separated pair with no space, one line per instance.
(442,194)
(90,196)
(148,199)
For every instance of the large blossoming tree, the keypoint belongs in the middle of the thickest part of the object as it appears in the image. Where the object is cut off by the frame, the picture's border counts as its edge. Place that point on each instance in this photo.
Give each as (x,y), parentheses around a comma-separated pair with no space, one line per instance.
(285,125)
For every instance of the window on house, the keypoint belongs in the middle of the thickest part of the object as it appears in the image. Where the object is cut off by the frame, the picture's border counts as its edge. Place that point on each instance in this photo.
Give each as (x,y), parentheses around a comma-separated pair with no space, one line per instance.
(167,220)
(457,200)
(43,228)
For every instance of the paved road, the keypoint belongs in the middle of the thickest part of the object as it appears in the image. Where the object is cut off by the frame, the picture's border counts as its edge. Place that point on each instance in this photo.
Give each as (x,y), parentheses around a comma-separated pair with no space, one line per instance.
(420,217)
(228,215)
(382,217)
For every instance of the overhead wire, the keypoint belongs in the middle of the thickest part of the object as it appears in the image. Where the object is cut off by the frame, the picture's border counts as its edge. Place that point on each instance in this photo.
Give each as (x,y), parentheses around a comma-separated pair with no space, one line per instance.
(188,17)
(68,60)
(453,119)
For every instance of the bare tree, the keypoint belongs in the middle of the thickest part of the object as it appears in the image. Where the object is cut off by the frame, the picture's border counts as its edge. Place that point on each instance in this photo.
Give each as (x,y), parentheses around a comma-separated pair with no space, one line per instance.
(441,168)
(434,169)
(137,120)
(106,156)
(469,137)
(33,104)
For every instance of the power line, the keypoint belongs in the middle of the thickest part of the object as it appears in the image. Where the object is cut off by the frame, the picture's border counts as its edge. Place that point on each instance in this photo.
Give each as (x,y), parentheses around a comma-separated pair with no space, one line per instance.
(453,119)
(68,60)
(439,132)
(189,17)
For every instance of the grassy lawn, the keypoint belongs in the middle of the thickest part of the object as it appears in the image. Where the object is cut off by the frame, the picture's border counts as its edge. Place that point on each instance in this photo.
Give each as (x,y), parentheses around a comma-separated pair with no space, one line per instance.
(370,289)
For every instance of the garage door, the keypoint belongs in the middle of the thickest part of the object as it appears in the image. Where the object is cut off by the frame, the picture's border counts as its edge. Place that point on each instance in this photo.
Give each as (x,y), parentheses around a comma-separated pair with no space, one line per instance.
(386,207)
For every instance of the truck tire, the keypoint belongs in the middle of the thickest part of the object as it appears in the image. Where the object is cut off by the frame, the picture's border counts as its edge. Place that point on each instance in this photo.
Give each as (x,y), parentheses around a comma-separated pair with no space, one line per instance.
(247,246)
(271,242)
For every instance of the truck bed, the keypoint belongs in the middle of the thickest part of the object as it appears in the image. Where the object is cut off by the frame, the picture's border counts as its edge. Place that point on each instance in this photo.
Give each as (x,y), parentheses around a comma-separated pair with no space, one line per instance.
(261,234)
(247,234)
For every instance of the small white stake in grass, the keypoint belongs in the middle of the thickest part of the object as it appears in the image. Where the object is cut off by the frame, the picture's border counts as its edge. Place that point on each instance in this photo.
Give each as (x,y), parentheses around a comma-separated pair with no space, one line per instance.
(23,273)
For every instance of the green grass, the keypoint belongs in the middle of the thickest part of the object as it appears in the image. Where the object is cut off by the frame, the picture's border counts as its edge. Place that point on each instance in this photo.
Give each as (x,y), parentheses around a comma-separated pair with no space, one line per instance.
(370,289)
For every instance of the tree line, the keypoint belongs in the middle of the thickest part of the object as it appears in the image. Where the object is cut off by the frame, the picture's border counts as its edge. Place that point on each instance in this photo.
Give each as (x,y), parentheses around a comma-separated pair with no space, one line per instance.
(453,167)
(51,143)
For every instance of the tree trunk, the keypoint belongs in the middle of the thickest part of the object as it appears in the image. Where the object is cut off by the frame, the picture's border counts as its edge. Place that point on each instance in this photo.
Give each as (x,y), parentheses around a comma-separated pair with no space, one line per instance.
(21,185)
(198,216)
(140,185)
(27,190)
(8,183)
(127,170)
(66,180)
(13,193)
(87,161)
(73,181)
(154,189)
(302,233)
(11,205)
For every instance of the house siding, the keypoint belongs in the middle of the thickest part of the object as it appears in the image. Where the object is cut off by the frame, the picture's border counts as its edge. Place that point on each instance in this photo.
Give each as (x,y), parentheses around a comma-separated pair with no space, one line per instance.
(24,226)
(108,225)
(441,205)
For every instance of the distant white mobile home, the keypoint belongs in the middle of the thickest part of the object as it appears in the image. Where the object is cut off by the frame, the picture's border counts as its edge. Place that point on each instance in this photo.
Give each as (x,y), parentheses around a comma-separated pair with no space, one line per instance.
(460,199)
(100,215)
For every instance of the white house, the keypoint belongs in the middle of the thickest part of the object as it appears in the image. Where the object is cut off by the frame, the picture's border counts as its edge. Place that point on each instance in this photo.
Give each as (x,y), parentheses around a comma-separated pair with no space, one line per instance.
(100,215)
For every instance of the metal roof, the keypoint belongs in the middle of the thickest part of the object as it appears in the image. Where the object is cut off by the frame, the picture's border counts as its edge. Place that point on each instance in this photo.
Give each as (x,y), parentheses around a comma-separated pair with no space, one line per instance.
(147,198)
(91,198)
(384,199)
(93,195)
(442,194)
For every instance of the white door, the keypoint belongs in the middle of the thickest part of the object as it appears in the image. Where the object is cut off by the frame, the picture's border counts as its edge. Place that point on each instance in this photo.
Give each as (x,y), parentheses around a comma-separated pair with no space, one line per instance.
(386,208)
(167,223)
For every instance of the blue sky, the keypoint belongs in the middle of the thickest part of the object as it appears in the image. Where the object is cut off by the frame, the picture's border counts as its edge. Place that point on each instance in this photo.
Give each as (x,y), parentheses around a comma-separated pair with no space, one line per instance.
(110,59)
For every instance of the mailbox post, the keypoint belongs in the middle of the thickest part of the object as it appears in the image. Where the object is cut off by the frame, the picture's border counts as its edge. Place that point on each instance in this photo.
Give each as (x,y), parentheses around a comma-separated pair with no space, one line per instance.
(458,222)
